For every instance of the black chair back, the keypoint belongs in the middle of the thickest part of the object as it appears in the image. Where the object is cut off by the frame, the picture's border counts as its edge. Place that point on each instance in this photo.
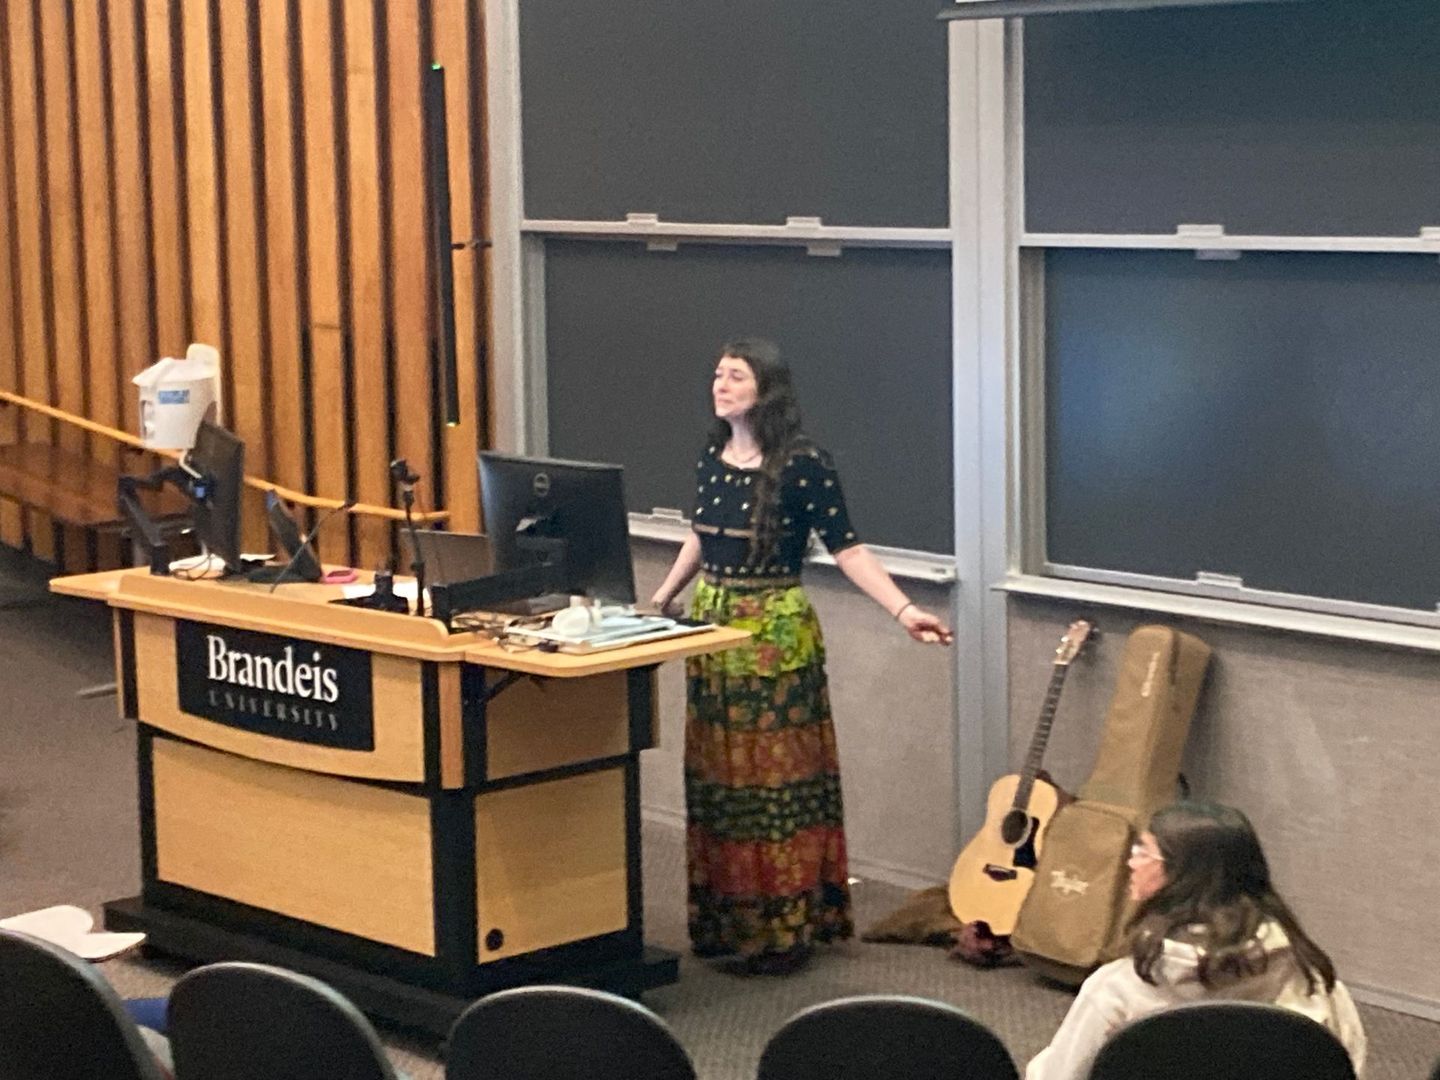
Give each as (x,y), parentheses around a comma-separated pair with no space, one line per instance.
(238,1021)
(884,1037)
(1223,1040)
(562,1033)
(60,1020)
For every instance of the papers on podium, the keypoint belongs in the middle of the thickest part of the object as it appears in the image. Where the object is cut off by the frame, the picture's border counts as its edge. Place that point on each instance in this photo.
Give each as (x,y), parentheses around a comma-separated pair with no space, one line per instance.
(613,632)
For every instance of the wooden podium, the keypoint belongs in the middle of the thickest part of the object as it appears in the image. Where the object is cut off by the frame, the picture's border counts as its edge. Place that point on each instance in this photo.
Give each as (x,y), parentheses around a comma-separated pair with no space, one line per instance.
(415,816)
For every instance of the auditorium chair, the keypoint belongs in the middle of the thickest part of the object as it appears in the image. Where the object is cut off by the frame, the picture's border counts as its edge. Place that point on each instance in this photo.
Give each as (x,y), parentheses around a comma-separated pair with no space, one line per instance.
(240,1021)
(887,1036)
(1223,1040)
(562,1033)
(60,1020)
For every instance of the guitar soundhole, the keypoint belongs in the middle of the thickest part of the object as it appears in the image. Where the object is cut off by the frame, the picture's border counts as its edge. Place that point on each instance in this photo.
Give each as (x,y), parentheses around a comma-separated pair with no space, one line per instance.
(1025,857)
(1014,826)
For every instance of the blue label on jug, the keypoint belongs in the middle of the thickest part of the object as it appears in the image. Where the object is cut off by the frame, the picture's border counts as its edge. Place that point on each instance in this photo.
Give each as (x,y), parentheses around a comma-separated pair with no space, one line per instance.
(174,397)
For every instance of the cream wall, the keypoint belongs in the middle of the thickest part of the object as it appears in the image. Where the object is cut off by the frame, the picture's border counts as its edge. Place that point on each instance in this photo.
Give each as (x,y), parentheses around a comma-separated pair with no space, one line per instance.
(1329,746)
(893,702)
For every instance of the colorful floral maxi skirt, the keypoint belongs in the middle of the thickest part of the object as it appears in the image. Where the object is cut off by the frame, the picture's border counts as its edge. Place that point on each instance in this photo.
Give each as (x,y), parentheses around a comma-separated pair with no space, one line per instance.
(766,837)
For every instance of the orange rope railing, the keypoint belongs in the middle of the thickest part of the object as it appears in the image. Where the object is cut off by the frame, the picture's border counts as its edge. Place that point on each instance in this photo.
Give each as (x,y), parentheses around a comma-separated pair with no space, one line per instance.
(319,502)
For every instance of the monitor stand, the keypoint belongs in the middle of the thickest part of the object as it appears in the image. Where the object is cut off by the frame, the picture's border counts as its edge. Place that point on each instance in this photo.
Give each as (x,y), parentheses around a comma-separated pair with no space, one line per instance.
(283,573)
(531,606)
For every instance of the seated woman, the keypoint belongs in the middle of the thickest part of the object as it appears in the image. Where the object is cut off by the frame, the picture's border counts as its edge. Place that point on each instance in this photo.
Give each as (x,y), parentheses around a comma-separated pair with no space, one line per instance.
(1209,926)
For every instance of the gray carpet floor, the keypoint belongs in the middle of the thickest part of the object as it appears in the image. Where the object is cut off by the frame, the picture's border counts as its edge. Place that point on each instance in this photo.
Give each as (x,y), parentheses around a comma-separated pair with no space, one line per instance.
(68,835)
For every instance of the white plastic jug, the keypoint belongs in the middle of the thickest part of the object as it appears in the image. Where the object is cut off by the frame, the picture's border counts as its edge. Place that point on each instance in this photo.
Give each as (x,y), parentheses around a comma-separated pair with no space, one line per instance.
(175,396)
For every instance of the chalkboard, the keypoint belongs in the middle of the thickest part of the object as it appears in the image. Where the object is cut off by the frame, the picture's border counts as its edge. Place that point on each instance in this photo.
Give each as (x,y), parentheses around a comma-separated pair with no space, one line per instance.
(1316,119)
(1275,418)
(632,336)
(747,111)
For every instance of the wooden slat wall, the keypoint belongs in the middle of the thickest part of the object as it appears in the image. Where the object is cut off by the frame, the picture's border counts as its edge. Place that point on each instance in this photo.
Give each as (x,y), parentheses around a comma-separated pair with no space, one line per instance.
(170,251)
(135,333)
(203,197)
(279,76)
(410,290)
(34,310)
(457,46)
(98,244)
(323,164)
(12,524)
(68,360)
(251,176)
(371,451)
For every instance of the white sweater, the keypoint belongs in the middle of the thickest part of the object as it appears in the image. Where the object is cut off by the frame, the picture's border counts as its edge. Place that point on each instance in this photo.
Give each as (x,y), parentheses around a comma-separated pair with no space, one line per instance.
(1114,995)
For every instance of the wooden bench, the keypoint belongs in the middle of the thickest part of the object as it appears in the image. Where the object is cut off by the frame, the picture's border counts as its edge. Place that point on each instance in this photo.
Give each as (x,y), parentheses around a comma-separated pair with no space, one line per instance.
(71,488)
(79,491)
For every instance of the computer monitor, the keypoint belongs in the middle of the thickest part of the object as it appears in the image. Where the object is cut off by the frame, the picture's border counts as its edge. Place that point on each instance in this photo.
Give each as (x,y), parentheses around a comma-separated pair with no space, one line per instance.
(531,503)
(215,466)
(451,557)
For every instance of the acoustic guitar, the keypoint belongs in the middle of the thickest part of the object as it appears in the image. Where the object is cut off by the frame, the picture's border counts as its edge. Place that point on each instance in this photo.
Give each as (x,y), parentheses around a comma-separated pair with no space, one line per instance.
(994,872)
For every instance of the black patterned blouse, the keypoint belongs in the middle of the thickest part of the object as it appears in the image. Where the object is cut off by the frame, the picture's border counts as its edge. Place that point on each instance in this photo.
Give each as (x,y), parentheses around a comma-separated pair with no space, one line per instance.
(810,500)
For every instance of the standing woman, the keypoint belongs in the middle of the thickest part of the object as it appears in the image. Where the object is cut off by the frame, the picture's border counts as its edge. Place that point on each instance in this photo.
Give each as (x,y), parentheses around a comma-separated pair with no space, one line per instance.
(766,840)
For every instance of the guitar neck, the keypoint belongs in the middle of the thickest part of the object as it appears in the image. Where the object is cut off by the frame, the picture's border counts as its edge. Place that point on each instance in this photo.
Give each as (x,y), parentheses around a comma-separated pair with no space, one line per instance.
(1041,737)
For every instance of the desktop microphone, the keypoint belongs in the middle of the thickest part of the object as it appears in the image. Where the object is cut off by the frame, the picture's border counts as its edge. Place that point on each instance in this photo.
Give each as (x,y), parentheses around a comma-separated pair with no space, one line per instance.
(305,540)
(402,475)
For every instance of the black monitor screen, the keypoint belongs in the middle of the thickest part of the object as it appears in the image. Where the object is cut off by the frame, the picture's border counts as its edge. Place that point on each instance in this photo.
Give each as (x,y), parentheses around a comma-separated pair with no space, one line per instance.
(216,464)
(579,503)
(301,564)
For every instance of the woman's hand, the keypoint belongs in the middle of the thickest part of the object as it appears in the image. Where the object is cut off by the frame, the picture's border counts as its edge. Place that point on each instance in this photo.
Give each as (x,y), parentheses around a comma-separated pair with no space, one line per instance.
(924,627)
(665,605)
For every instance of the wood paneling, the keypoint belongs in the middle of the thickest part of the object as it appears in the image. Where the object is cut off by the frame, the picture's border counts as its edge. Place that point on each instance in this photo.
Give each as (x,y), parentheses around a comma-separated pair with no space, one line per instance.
(171,251)
(27,138)
(550,862)
(203,193)
(135,337)
(278,86)
(370,424)
(12,522)
(456,37)
(399,752)
(251,176)
(68,345)
(246,338)
(97,230)
(549,723)
(324,162)
(408,249)
(349,856)
(452,728)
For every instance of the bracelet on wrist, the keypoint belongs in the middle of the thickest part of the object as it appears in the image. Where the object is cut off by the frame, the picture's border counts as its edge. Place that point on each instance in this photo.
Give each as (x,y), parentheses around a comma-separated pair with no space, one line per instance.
(901,609)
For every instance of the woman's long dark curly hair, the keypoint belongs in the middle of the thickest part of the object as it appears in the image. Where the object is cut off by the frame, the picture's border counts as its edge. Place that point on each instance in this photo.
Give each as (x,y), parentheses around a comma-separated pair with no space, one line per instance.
(1216,896)
(775,422)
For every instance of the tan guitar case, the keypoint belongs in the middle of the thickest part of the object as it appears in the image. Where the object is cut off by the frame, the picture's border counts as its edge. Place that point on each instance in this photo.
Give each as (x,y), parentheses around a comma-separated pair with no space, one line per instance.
(1073,919)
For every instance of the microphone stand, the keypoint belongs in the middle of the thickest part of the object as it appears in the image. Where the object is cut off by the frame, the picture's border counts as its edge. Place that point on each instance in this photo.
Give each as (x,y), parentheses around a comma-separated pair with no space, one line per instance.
(401,474)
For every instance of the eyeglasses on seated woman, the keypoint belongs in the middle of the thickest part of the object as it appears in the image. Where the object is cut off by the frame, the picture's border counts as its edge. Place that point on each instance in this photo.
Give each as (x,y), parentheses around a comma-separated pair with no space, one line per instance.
(1209,925)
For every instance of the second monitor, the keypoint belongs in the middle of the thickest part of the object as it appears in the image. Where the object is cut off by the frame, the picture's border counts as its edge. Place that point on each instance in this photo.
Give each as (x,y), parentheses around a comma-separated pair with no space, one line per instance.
(571,514)
(215,471)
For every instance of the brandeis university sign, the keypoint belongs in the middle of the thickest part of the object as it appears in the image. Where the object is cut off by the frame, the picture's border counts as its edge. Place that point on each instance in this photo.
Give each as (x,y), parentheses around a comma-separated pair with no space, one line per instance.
(304,691)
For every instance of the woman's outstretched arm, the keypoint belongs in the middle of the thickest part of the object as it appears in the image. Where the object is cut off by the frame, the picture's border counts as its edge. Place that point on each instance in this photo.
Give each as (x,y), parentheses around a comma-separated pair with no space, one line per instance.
(859,564)
(684,568)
